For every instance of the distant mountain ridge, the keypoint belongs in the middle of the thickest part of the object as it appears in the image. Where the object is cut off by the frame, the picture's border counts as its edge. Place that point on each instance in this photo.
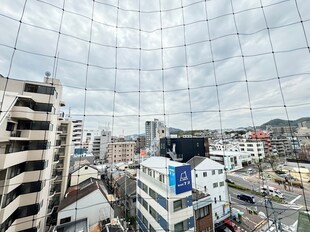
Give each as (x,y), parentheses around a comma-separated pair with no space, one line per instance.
(174,130)
(280,122)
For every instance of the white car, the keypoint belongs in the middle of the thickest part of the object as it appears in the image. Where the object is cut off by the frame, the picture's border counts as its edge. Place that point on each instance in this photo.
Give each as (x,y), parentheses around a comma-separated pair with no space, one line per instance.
(268,190)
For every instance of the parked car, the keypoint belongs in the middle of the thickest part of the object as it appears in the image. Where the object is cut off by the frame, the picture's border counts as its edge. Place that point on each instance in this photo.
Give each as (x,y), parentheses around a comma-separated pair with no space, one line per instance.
(246,198)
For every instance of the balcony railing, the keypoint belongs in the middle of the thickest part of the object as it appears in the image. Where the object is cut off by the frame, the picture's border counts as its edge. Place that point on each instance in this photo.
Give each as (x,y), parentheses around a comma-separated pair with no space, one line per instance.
(16,133)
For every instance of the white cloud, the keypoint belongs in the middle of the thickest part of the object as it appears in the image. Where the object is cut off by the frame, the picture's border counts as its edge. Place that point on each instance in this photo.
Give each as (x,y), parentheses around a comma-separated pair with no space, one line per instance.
(102,78)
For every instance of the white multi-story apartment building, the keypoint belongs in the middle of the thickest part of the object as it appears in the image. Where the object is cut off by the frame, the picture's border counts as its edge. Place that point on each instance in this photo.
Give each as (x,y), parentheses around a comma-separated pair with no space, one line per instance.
(88,139)
(77,134)
(105,139)
(209,177)
(97,142)
(231,159)
(256,149)
(28,131)
(121,152)
(164,193)
(151,128)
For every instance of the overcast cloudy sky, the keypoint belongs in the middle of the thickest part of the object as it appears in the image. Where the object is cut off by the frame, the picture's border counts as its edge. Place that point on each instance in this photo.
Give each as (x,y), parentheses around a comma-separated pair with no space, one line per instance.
(172,81)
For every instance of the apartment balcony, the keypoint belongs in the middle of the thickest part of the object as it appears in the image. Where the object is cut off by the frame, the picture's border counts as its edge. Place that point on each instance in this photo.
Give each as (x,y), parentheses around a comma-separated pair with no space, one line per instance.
(13,158)
(56,158)
(28,135)
(59,132)
(22,112)
(52,191)
(21,200)
(63,143)
(58,179)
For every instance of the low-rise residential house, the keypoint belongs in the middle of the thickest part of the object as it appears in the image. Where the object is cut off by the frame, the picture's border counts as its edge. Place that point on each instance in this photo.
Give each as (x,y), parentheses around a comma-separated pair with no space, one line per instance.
(125,191)
(85,200)
(82,173)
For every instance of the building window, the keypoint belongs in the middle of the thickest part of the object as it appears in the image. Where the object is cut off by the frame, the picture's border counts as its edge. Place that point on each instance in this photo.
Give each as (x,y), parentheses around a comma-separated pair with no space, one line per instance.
(152,193)
(145,222)
(215,200)
(144,188)
(213,172)
(220,198)
(221,183)
(179,204)
(152,229)
(65,220)
(181,226)
(145,204)
(220,171)
(153,213)
(204,174)
(215,185)
(202,212)
(161,178)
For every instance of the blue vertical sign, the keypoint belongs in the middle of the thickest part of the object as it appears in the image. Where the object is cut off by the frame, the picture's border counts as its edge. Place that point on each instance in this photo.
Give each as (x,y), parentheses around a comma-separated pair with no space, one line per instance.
(180,178)
(183,179)
(171,175)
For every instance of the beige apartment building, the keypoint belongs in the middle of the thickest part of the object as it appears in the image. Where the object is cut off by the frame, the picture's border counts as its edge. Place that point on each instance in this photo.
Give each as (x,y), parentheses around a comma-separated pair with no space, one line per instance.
(60,173)
(121,152)
(29,119)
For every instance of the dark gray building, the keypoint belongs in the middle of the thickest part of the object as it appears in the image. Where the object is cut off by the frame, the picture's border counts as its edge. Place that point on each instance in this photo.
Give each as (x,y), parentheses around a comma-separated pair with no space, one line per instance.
(183,149)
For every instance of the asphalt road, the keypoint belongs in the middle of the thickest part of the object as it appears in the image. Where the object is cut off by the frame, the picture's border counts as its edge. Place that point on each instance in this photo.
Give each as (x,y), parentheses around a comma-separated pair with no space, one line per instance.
(294,196)
(288,212)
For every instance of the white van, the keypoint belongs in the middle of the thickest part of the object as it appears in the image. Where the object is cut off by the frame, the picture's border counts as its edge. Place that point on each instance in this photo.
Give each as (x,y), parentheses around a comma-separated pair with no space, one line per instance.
(272,191)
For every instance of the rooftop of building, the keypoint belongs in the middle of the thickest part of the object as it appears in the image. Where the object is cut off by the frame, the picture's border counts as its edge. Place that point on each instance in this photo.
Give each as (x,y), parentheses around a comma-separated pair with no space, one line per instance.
(197,160)
(77,192)
(160,164)
(228,153)
(197,195)
(127,184)
(76,168)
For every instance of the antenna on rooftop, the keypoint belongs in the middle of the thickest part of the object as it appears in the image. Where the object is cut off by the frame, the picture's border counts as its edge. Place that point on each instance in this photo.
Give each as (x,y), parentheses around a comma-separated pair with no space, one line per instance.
(47,74)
